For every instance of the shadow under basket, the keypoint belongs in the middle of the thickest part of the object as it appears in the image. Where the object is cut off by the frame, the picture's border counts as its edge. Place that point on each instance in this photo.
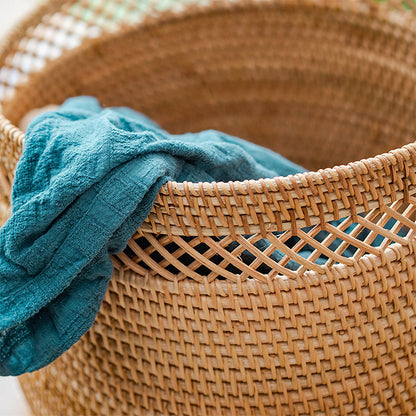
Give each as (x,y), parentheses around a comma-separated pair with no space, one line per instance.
(199,317)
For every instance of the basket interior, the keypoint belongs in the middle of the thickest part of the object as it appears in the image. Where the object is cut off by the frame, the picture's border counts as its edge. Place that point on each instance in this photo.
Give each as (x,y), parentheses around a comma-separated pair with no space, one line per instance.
(323,86)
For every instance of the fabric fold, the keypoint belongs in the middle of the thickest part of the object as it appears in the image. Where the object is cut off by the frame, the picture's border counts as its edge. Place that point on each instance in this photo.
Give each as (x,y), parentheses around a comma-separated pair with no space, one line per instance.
(87,179)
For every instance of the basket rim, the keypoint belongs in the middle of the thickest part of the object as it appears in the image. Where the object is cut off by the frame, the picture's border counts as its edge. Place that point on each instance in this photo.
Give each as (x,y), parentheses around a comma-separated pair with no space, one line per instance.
(388,171)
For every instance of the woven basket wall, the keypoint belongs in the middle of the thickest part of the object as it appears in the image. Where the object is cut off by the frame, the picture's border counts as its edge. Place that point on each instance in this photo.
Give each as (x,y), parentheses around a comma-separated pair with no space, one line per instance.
(189,326)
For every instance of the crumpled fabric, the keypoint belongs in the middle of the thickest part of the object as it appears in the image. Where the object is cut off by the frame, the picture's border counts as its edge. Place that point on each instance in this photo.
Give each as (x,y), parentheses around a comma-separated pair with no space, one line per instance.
(87,179)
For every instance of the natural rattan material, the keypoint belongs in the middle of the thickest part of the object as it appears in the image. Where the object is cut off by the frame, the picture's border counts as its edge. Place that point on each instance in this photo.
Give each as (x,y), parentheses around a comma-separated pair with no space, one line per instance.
(188,327)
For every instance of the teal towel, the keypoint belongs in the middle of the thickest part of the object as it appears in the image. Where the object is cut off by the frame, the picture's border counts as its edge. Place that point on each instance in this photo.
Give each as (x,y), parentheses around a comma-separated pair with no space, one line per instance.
(86,181)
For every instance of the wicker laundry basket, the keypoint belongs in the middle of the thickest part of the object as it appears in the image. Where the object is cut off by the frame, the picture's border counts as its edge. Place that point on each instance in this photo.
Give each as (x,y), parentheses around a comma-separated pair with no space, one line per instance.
(189,326)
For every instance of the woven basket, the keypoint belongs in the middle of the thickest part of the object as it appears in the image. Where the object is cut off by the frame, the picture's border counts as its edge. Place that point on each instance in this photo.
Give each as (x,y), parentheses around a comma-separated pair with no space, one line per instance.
(189,326)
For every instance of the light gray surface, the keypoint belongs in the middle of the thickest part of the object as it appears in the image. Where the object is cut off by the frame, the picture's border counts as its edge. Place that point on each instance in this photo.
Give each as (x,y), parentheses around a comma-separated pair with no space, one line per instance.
(12,401)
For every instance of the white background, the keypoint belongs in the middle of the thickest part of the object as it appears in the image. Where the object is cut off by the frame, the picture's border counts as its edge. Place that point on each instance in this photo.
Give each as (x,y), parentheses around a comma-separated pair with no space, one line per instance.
(12,402)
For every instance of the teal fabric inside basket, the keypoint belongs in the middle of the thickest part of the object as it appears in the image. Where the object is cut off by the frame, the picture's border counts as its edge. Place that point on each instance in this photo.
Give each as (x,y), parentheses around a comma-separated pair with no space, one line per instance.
(86,181)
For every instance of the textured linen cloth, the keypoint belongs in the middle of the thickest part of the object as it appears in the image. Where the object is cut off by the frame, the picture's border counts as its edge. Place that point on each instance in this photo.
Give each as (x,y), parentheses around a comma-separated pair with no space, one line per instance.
(86,181)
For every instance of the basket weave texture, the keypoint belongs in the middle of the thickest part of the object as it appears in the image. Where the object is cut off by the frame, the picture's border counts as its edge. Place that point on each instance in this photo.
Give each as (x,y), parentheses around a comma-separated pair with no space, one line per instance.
(188,327)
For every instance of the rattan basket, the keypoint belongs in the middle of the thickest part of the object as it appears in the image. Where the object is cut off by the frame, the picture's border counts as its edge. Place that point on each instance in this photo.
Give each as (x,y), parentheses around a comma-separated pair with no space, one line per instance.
(188,326)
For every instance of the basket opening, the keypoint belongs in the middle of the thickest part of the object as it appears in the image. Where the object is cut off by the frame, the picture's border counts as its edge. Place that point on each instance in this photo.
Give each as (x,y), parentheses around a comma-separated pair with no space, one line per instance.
(321,86)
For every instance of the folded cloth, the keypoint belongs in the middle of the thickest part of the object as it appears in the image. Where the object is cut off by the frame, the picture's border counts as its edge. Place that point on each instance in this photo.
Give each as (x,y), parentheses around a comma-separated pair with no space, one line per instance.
(87,179)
